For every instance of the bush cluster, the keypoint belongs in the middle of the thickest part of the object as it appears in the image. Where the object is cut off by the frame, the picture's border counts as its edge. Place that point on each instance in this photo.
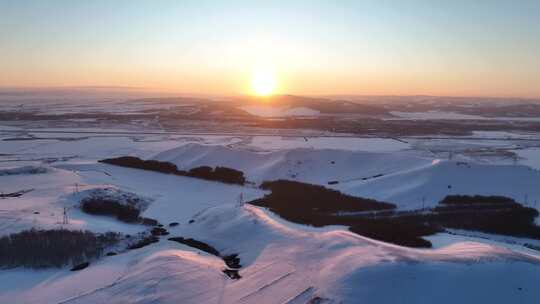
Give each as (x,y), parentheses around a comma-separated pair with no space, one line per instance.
(104,206)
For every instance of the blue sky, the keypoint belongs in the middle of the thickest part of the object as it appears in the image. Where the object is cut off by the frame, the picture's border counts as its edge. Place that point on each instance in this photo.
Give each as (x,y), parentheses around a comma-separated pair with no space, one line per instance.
(315,47)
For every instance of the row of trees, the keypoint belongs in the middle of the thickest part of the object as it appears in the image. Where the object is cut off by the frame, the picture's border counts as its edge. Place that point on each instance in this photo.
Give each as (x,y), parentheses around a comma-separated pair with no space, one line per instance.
(220,174)
(53,248)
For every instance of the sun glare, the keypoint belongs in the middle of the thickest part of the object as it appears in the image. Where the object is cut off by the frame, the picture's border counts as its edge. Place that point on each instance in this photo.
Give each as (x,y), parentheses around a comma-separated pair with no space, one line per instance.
(263,82)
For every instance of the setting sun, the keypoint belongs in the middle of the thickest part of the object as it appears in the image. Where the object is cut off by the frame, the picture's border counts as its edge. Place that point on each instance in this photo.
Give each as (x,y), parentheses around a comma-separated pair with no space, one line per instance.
(263,82)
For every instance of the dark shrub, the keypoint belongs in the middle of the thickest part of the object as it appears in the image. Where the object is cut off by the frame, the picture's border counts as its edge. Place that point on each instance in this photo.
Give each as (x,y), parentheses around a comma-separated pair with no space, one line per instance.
(52,248)
(157,231)
(477,200)
(228,175)
(232,261)
(149,221)
(99,206)
(148,240)
(173,224)
(196,244)
(201,172)
(80,266)
(232,273)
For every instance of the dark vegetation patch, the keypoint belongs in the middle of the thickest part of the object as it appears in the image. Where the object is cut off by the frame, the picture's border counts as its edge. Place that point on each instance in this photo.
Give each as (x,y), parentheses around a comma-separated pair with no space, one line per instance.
(149,221)
(105,206)
(124,211)
(80,266)
(158,231)
(232,261)
(489,214)
(303,202)
(403,233)
(220,174)
(173,224)
(53,248)
(196,244)
(145,241)
(318,206)
(477,200)
(15,194)
(232,273)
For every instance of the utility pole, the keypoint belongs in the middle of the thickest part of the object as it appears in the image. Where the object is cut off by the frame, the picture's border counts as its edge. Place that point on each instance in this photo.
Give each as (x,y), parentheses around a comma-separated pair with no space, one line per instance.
(241,200)
(65,220)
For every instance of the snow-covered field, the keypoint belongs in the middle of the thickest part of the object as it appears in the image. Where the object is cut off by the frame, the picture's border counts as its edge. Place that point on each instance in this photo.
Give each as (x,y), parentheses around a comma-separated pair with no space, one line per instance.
(440,115)
(281,262)
(273,111)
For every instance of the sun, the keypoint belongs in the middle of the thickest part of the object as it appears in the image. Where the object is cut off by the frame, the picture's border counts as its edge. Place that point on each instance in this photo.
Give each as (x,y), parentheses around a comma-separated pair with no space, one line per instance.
(263,82)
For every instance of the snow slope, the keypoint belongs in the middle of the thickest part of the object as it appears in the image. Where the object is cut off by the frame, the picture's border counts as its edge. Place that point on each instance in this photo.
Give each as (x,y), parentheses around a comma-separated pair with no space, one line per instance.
(432,183)
(308,165)
(277,143)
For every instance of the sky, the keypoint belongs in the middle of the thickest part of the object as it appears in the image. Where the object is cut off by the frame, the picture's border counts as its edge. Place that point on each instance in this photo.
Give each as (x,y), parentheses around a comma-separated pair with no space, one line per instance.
(334,47)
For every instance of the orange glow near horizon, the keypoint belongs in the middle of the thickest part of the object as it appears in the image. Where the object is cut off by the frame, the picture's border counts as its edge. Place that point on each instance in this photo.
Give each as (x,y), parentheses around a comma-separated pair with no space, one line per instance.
(311,47)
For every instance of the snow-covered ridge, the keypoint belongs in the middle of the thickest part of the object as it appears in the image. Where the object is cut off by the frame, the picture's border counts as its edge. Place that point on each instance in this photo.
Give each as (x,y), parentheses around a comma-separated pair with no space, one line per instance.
(23,170)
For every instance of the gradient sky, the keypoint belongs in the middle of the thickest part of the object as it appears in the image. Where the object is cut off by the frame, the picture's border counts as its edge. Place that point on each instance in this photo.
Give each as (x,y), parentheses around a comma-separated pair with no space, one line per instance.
(482,47)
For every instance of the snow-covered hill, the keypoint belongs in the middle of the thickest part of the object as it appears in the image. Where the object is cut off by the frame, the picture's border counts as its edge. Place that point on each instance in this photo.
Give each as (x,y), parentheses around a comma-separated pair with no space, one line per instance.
(285,264)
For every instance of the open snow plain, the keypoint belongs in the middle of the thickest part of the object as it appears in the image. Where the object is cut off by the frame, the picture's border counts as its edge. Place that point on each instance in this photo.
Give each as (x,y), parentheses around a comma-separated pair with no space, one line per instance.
(282,262)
